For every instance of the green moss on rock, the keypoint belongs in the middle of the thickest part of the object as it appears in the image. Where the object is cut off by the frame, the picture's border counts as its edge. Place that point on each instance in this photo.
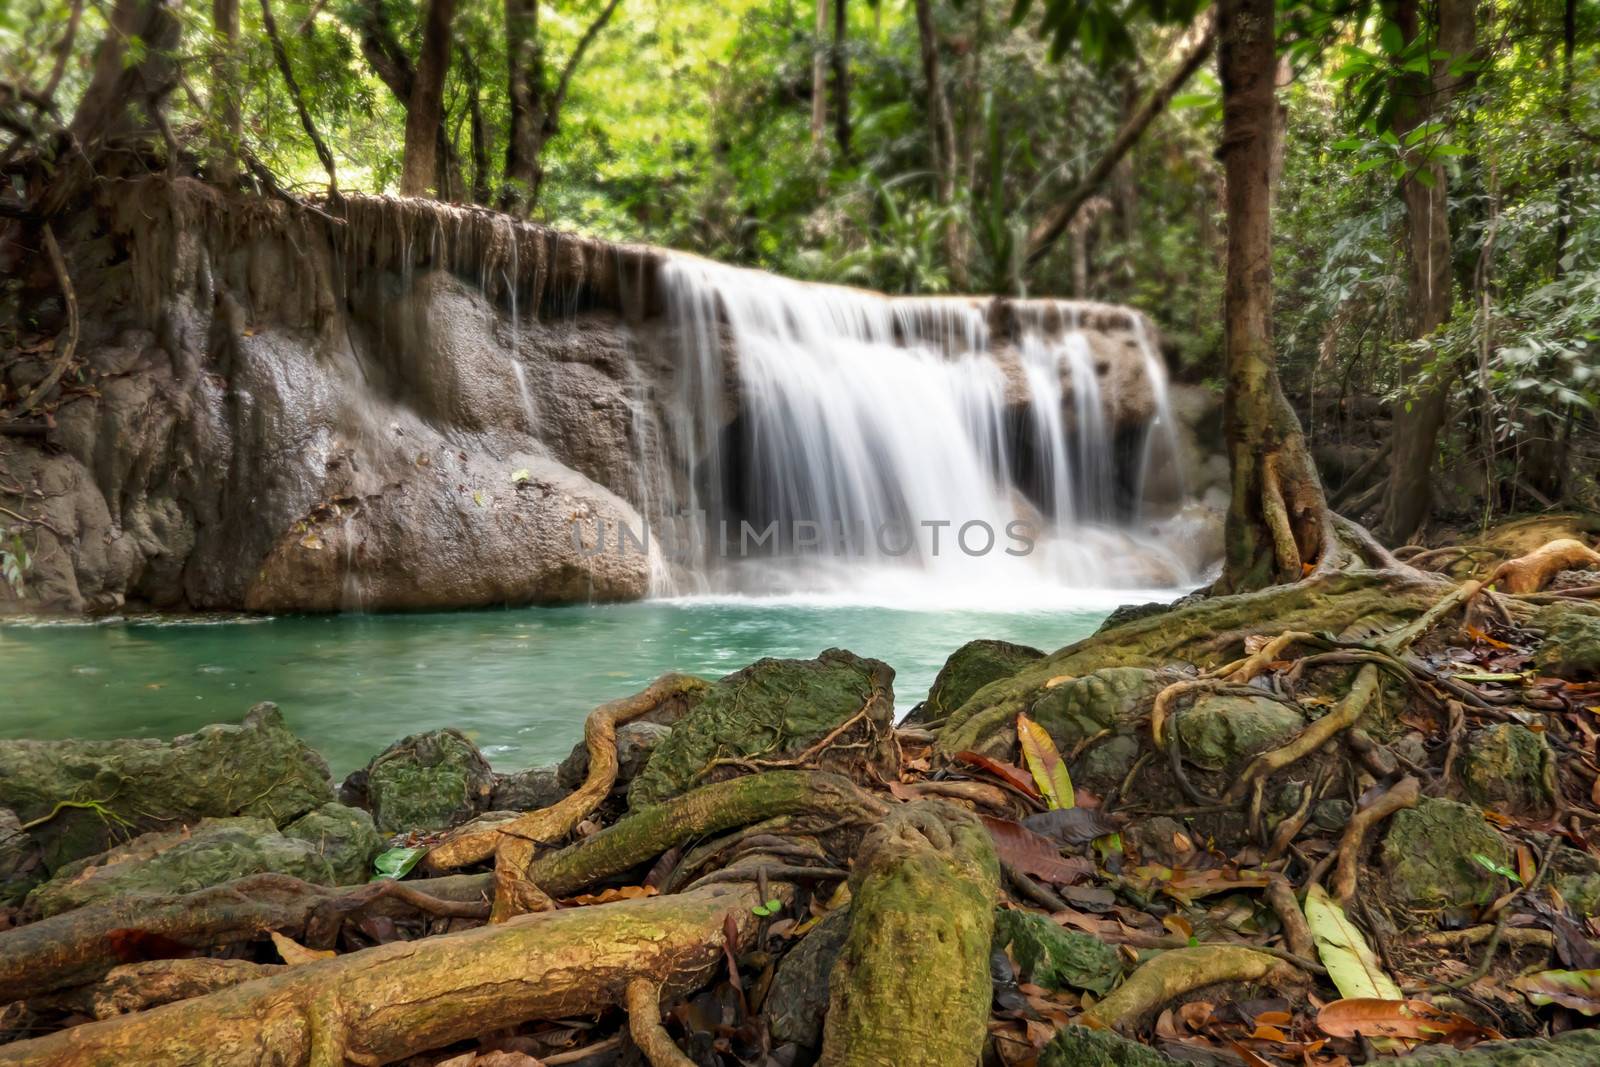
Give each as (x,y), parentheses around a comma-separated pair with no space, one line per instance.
(1079,1046)
(1571,645)
(1510,768)
(970,668)
(1055,958)
(1221,731)
(346,837)
(172,862)
(92,794)
(1427,855)
(771,710)
(427,782)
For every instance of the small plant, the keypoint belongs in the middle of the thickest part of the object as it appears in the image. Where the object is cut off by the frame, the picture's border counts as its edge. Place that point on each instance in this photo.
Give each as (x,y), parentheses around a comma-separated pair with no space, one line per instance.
(769,909)
(15,563)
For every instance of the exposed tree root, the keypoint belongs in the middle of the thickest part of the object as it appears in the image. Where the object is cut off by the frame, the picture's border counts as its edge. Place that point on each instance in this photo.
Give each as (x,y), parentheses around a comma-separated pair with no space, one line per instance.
(514,843)
(1173,974)
(914,972)
(383,1004)
(1313,737)
(1532,572)
(80,946)
(1402,795)
(643,1001)
(1296,931)
(138,986)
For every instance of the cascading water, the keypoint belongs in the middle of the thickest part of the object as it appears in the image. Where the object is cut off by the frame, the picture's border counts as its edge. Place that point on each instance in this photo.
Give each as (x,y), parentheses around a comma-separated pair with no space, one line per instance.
(874,445)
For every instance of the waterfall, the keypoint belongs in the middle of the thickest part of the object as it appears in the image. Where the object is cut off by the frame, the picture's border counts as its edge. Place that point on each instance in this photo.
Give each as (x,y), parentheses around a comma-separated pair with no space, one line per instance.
(881,443)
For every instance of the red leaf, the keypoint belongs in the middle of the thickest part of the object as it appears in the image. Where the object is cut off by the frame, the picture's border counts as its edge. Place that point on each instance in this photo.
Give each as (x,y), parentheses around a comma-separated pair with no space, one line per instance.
(1008,773)
(1414,1019)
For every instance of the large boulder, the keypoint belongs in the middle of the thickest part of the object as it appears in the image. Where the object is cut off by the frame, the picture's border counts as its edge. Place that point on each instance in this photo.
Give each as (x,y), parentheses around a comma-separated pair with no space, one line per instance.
(1571,644)
(970,668)
(84,796)
(425,782)
(1428,851)
(1510,768)
(774,710)
(172,862)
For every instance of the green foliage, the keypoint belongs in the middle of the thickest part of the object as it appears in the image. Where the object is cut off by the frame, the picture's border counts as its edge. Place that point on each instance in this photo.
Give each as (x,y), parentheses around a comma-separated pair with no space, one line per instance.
(15,562)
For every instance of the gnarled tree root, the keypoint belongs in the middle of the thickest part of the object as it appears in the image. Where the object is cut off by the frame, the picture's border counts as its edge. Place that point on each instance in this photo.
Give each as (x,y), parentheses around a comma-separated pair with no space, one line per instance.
(1530,573)
(643,1001)
(79,946)
(912,981)
(386,1003)
(1404,794)
(514,843)
(1171,975)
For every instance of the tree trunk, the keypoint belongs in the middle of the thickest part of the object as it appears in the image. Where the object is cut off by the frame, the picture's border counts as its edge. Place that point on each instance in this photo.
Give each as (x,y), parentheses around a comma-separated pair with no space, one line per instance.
(225,90)
(525,74)
(426,107)
(841,78)
(942,141)
(819,79)
(1278,523)
(478,131)
(1420,415)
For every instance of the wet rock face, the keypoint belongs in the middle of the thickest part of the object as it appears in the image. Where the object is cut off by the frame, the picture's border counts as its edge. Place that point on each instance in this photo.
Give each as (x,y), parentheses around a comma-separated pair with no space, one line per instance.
(425,782)
(773,710)
(1427,856)
(1571,645)
(970,668)
(87,795)
(1509,768)
(181,861)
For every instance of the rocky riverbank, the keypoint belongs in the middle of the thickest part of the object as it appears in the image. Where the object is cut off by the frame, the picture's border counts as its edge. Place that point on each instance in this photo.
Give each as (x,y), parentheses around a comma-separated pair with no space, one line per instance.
(1279,828)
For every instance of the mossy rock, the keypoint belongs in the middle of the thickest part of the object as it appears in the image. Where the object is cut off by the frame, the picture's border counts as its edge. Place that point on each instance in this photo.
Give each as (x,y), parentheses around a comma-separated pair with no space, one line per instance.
(774,709)
(1079,1046)
(426,782)
(1055,958)
(1219,731)
(1510,768)
(799,996)
(1575,1048)
(1075,709)
(1427,855)
(172,862)
(123,788)
(970,668)
(346,837)
(1576,876)
(1571,645)
(21,864)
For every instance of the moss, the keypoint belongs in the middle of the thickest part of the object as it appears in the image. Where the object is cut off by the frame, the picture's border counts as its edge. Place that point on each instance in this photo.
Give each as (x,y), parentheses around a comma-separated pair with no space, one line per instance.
(1571,645)
(1079,1046)
(344,836)
(771,710)
(1055,958)
(1223,731)
(970,668)
(257,768)
(1427,855)
(1510,768)
(1575,1048)
(428,781)
(173,862)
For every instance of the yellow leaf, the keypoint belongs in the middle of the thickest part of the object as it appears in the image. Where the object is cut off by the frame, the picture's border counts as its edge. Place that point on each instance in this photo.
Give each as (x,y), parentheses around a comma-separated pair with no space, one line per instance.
(1049,769)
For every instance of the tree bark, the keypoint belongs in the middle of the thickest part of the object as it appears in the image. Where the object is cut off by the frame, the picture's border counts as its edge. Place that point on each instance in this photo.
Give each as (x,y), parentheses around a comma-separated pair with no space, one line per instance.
(914,970)
(841,78)
(1421,413)
(819,79)
(941,141)
(285,68)
(225,89)
(386,1003)
(425,109)
(1278,524)
(478,131)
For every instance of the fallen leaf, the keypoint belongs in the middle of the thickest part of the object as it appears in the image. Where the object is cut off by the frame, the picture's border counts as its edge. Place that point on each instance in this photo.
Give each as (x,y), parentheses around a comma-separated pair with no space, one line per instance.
(1352,966)
(1009,773)
(294,953)
(1033,853)
(606,896)
(1071,826)
(1414,1020)
(1049,769)
(1578,990)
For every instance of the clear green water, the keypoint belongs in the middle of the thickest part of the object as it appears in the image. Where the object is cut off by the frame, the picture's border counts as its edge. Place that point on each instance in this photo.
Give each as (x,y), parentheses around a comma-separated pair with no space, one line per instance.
(517,681)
